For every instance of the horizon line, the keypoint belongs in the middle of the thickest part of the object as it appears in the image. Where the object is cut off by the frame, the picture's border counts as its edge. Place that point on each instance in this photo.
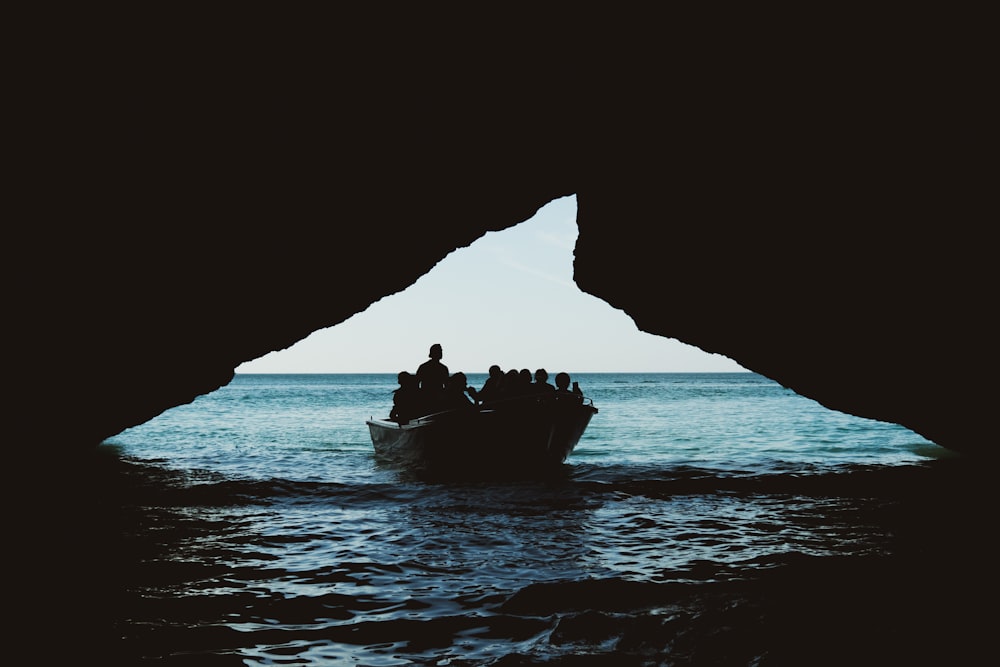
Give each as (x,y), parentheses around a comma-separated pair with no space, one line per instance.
(486,372)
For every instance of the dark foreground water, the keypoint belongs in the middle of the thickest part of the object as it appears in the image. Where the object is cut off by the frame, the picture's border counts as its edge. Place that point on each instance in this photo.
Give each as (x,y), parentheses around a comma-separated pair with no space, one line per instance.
(704,519)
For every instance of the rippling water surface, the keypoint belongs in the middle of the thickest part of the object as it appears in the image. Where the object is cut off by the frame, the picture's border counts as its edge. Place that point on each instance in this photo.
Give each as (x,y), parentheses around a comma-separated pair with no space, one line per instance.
(701,519)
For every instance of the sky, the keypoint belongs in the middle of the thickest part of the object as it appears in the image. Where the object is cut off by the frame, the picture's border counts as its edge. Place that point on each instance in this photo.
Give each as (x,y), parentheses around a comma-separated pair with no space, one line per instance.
(507,299)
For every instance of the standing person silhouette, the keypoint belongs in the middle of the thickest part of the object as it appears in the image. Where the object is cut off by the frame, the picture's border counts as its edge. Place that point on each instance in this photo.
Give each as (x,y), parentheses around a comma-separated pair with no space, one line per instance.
(432,376)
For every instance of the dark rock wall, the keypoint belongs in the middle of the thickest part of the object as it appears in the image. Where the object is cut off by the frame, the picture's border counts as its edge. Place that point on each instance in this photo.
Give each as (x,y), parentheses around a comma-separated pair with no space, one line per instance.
(819,220)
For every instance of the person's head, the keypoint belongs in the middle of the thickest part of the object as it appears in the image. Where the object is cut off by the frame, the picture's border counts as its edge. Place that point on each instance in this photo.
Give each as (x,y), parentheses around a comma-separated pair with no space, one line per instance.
(459,381)
(562,380)
(436,351)
(403,377)
(496,371)
(525,376)
(541,375)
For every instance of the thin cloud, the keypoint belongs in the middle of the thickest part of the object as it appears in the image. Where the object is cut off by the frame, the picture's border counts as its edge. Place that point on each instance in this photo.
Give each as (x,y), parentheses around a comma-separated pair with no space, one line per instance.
(535,272)
(565,241)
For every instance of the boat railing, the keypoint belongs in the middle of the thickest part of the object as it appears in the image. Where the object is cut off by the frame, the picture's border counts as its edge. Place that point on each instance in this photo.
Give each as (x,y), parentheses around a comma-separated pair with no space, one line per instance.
(435,415)
(531,399)
(499,404)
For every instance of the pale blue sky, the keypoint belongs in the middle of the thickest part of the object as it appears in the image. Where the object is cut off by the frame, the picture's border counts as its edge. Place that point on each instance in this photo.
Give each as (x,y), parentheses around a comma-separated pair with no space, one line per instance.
(507,299)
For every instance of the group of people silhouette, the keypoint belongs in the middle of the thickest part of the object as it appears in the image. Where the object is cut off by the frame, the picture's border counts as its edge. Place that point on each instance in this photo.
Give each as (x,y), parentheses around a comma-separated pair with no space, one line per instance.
(434,389)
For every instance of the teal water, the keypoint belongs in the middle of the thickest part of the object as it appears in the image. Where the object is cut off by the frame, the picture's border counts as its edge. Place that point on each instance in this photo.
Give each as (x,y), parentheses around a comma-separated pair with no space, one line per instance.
(311,427)
(267,526)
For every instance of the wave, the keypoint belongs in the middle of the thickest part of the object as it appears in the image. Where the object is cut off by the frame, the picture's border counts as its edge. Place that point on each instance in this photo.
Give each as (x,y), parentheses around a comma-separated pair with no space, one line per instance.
(153,482)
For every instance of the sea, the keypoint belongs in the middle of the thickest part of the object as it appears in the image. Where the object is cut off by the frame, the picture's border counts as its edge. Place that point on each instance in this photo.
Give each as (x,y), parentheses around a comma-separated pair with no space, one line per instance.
(704,518)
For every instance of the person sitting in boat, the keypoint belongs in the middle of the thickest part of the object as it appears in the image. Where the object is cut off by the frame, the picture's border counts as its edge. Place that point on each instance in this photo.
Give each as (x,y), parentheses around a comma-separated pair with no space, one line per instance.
(525,377)
(563,391)
(405,399)
(517,391)
(541,385)
(455,396)
(513,386)
(492,388)
(432,376)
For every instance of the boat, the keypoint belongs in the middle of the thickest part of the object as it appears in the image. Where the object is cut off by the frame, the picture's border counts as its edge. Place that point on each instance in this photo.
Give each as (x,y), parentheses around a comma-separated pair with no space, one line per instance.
(527,434)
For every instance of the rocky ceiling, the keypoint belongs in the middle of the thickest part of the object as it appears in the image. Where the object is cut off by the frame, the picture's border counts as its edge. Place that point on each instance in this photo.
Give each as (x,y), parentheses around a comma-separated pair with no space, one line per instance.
(825,231)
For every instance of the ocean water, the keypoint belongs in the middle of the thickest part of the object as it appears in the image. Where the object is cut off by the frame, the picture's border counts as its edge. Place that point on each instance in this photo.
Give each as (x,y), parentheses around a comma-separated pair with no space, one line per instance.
(702,519)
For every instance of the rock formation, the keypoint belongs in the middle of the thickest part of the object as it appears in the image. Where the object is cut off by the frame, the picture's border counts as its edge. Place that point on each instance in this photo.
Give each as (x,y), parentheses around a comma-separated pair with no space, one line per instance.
(189,215)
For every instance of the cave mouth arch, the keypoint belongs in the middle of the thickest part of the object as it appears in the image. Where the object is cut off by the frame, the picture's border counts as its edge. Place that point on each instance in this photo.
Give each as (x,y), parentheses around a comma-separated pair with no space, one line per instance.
(508,298)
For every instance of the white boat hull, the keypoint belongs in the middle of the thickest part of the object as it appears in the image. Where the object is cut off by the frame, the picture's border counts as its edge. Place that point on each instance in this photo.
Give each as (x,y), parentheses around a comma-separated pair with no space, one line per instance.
(529,435)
